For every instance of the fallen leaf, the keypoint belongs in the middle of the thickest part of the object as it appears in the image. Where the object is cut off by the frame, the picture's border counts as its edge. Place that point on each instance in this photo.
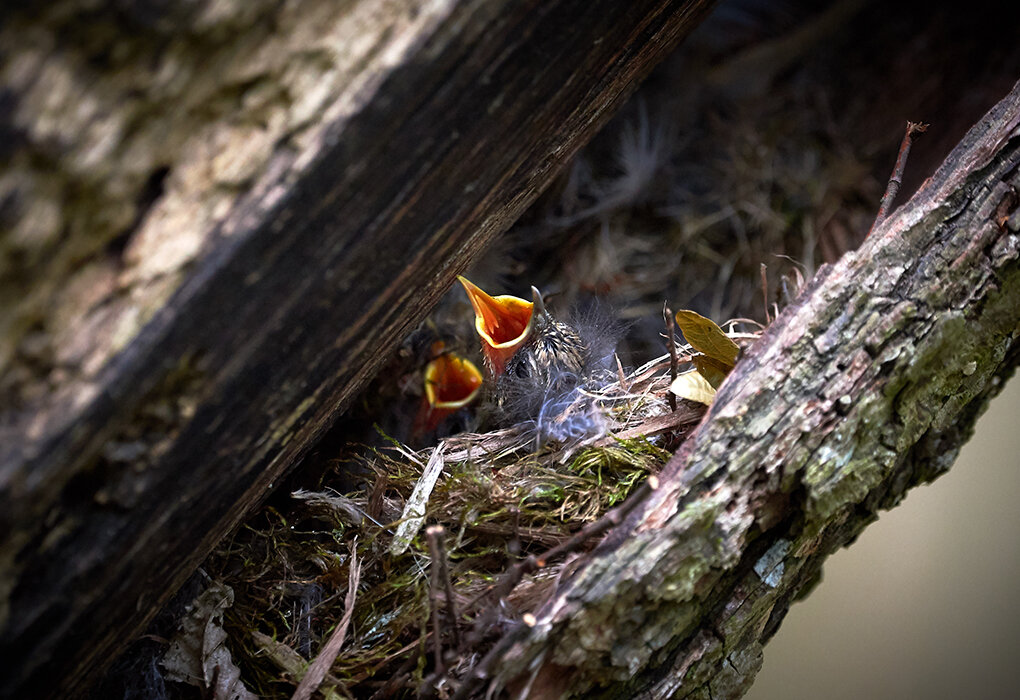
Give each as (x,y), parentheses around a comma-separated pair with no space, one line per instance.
(706,337)
(197,653)
(712,370)
(694,387)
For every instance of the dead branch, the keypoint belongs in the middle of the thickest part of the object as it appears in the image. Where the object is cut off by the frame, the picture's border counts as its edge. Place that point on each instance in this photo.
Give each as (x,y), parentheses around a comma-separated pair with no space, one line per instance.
(893,187)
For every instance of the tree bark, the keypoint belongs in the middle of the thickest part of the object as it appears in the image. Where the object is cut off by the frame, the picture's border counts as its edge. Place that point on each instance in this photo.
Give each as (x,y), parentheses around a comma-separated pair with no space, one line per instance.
(866,386)
(226,215)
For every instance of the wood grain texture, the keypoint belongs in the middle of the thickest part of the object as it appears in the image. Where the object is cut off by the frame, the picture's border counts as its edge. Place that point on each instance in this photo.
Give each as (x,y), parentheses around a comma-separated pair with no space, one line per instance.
(337,246)
(867,385)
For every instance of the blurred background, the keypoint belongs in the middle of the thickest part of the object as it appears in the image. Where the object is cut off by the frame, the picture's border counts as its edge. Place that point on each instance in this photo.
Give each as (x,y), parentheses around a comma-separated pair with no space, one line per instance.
(924,604)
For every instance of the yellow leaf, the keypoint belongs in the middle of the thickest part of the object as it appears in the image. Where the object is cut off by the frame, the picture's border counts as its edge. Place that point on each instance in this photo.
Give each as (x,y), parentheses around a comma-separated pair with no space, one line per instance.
(712,370)
(694,387)
(706,337)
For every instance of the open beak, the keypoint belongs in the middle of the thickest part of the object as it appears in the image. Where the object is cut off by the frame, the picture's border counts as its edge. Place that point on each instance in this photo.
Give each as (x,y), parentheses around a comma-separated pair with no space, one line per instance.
(451,383)
(503,323)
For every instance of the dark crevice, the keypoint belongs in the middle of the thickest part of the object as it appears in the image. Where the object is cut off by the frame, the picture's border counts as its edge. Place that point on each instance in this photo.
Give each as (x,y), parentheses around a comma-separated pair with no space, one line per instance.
(11,135)
(149,194)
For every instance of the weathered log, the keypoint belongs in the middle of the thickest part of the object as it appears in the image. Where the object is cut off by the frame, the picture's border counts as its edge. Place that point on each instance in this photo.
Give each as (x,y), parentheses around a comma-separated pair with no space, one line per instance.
(350,161)
(868,385)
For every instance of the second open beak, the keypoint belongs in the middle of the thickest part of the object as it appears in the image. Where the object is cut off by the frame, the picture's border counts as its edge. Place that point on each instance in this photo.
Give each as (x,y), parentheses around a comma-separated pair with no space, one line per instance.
(451,382)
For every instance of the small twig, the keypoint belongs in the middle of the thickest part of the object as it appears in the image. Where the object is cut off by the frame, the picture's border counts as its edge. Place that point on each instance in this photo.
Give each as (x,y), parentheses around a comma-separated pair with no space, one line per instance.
(653,426)
(440,574)
(516,536)
(748,321)
(513,547)
(375,499)
(667,314)
(437,546)
(787,295)
(620,374)
(400,678)
(318,669)
(481,670)
(765,292)
(896,178)
(432,534)
(784,290)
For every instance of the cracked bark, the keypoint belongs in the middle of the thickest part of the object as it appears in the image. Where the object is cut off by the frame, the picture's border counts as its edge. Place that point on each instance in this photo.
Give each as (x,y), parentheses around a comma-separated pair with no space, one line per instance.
(866,386)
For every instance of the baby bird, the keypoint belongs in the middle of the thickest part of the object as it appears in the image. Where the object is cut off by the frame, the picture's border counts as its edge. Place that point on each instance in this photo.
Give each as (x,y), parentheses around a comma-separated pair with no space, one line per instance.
(553,353)
(530,355)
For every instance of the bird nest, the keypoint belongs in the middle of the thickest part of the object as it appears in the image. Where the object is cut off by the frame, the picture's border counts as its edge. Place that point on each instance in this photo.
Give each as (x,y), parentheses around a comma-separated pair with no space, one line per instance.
(515,513)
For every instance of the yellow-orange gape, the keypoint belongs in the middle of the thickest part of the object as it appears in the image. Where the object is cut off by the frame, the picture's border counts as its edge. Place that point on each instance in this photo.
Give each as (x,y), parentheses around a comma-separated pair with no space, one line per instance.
(503,323)
(452,382)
